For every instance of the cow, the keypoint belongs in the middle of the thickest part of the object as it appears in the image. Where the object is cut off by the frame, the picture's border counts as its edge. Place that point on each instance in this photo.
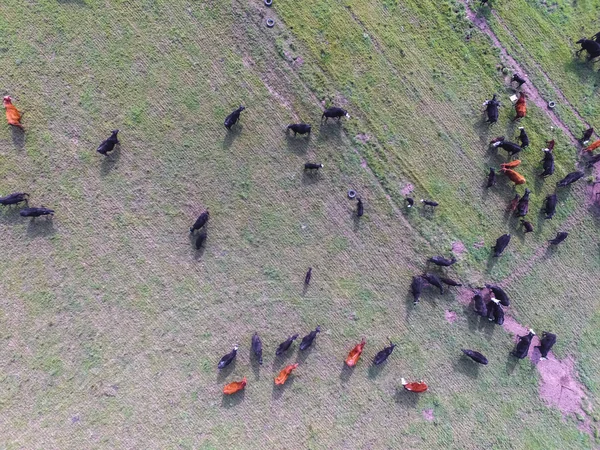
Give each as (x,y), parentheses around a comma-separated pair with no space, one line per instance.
(499,294)
(410,202)
(501,244)
(587,134)
(450,282)
(359,208)
(200,239)
(355,353)
(591,47)
(546,343)
(512,206)
(547,163)
(570,178)
(285,345)
(491,109)
(550,207)
(521,107)
(108,145)
(416,287)
(36,212)
(200,221)
(475,356)
(415,386)
(510,147)
(257,347)
(527,226)
(560,236)
(285,373)
(523,138)
(491,180)
(593,146)
(495,312)
(382,355)
(233,118)
(309,338)
(550,145)
(523,205)
(434,281)
(518,79)
(522,347)
(513,176)
(228,358)
(511,165)
(593,160)
(15,198)
(441,261)
(299,128)
(596,37)
(479,305)
(235,386)
(308,276)
(312,166)
(429,203)
(334,112)
(13,116)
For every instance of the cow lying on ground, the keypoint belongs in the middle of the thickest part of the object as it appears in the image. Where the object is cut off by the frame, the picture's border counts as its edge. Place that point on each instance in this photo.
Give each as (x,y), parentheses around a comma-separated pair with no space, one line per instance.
(475,356)
(528,226)
(434,281)
(570,178)
(546,343)
(441,261)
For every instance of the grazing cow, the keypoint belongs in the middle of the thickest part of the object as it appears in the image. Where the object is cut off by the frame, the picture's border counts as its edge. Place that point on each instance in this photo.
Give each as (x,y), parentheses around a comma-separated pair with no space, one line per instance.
(200,239)
(285,373)
(429,203)
(311,166)
(334,112)
(560,236)
(527,226)
(511,165)
(523,205)
(450,282)
(285,345)
(513,176)
(522,347)
(475,356)
(416,386)
(301,128)
(492,110)
(495,312)
(501,244)
(570,178)
(521,107)
(36,212)
(257,347)
(491,181)
(234,387)
(416,287)
(382,355)
(309,338)
(591,47)
(587,134)
(355,353)
(200,221)
(308,275)
(550,207)
(593,160)
(434,281)
(108,145)
(410,202)
(523,138)
(510,147)
(233,118)
(550,144)
(13,116)
(519,80)
(15,198)
(228,358)
(547,163)
(499,294)
(479,305)
(359,207)
(441,261)
(512,206)
(592,147)
(546,343)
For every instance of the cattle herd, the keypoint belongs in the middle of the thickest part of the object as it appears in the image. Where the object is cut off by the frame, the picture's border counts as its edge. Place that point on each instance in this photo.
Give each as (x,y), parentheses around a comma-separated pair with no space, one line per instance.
(488,301)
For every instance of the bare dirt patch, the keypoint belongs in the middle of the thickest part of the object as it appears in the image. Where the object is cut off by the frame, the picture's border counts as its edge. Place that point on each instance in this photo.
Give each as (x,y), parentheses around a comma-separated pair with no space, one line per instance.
(458,248)
(407,189)
(428,415)
(450,316)
(364,138)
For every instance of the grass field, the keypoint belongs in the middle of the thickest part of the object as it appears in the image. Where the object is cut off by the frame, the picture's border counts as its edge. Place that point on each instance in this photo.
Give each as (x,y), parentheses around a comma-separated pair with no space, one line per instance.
(112,325)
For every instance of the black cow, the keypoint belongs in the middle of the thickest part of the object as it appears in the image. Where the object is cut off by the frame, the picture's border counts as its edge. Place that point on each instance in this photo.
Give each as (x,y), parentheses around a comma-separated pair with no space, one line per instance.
(429,203)
(311,166)
(109,144)
(491,181)
(479,305)
(334,112)
(441,261)
(228,358)
(510,147)
(592,47)
(593,160)
(570,178)
(301,128)
(546,343)
(450,282)
(200,221)
(36,212)
(434,281)
(475,356)
(596,37)
(548,163)
(560,236)
(492,110)
(15,198)
(286,344)
(416,287)
(501,244)
(200,239)
(308,276)
(381,356)
(499,293)
(410,202)
(520,81)
(522,347)
(527,225)
(523,205)
(359,207)
(309,338)
(233,118)
(495,312)
(523,138)
(587,134)
(257,347)
(550,207)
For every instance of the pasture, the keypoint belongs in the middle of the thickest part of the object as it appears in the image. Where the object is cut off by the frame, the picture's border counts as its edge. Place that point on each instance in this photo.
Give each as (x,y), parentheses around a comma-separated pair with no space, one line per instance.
(112,324)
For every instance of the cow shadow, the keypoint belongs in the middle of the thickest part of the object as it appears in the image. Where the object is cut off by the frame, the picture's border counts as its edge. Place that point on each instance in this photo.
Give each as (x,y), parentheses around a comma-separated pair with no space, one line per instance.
(346,372)
(491,262)
(304,354)
(406,398)
(73,2)
(310,177)
(231,400)
(327,130)
(254,364)
(224,373)
(279,389)
(18,137)
(538,185)
(355,221)
(304,289)
(511,363)
(410,304)
(375,370)
(466,366)
(296,144)
(110,161)
(541,222)
(280,360)
(40,228)
(10,215)
(232,135)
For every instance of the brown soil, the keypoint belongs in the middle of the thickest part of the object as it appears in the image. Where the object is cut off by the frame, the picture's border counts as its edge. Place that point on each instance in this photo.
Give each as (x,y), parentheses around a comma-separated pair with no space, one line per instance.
(458,248)
(407,189)
(428,415)
(450,316)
